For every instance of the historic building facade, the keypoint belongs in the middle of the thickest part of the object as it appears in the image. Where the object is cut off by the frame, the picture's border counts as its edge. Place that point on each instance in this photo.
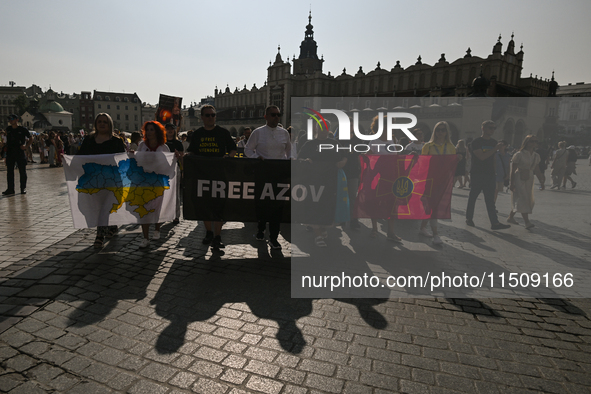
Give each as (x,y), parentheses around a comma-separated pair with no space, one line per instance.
(7,96)
(497,75)
(124,108)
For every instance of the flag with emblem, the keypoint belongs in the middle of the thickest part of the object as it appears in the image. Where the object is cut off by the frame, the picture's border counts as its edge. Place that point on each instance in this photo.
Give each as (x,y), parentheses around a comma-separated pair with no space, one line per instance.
(405,187)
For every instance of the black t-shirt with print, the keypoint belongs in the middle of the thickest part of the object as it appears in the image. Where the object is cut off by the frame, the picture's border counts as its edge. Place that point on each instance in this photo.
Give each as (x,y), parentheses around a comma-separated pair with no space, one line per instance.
(483,167)
(216,142)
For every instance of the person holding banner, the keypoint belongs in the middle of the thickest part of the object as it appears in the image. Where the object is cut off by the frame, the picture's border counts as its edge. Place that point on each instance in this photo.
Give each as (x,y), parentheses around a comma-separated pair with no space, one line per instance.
(378,147)
(154,141)
(212,140)
(439,144)
(100,142)
(175,146)
(270,141)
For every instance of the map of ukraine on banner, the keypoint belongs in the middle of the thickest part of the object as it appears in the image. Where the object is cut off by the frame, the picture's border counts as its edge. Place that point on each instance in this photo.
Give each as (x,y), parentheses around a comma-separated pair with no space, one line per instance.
(121,188)
(406,187)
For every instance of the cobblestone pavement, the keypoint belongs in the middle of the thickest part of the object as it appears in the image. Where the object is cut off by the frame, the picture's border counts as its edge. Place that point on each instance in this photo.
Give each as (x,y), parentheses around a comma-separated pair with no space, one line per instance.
(177,319)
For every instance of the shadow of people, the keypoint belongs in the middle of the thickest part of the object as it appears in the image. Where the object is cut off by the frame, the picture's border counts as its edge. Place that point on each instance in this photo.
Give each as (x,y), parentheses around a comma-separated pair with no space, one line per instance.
(120,276)
(195,292)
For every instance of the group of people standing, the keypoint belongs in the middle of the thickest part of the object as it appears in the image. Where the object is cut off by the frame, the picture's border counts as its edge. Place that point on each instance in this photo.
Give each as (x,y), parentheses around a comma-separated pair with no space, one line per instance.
(483,164)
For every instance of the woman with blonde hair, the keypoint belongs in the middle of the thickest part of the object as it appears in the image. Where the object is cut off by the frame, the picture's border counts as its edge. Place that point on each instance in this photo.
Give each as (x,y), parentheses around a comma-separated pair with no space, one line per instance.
(100,142)
(439,144)
(524,165)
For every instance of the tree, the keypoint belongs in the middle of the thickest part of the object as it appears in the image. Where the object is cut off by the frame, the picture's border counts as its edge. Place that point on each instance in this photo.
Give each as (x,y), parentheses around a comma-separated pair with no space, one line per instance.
(22,104)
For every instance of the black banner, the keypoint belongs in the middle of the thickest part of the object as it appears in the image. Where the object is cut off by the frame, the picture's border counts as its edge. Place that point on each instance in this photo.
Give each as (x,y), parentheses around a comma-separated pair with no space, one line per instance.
(248,190)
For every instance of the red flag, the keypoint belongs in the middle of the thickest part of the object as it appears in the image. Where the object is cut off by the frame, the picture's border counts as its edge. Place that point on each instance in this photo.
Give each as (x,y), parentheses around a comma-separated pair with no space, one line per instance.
(405,187)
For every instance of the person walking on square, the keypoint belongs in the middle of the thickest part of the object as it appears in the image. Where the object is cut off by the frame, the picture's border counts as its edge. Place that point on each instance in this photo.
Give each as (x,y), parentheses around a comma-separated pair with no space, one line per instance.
(571,167)
(270,141)
(482,175)
(502,168)
(524,165)
(102,141)
(18,140)
(559,165)
(212,140)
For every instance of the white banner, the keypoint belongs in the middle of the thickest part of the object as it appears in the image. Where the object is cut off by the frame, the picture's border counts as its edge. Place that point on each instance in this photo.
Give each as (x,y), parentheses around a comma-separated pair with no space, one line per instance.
(121,188)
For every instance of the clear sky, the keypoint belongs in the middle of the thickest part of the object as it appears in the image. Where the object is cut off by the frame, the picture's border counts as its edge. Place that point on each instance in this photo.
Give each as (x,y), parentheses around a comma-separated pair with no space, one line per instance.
(186,48)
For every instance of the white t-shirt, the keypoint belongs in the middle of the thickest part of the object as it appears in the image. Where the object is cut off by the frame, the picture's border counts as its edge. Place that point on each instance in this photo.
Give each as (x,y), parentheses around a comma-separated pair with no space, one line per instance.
(142,147)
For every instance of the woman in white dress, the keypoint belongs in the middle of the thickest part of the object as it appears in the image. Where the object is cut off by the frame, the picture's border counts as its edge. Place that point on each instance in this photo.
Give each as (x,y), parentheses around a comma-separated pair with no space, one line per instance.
(524,165)
(154,141)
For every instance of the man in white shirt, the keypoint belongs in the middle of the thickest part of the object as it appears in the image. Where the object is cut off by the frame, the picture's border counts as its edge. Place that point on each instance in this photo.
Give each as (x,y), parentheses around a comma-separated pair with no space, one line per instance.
(269,142)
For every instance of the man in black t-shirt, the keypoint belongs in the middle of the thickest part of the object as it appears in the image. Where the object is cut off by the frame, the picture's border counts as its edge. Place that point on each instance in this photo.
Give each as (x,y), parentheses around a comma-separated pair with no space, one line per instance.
(483,176)
(18,140)
(212,140)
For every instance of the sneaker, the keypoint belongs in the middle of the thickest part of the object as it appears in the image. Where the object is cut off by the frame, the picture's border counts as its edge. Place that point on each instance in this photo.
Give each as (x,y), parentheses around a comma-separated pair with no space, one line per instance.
(156,234)
(274,244)
(8,192)
(217,242)
(574,184)
(437,240)
(424,232)
(470,222)
(24,191)
(208,238)
(260,236)
(145,243)
(499,226)
(553,187)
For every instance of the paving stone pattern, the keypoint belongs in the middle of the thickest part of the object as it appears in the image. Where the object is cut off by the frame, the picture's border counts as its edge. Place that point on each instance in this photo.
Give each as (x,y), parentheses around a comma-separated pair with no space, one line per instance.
(177,319)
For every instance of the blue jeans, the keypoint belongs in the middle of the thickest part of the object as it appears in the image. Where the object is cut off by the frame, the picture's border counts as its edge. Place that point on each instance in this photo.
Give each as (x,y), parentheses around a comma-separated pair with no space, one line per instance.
(487,185)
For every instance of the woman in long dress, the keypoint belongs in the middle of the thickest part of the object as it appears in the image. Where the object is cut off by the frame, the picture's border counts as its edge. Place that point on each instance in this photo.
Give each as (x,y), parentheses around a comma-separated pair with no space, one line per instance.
(524,165)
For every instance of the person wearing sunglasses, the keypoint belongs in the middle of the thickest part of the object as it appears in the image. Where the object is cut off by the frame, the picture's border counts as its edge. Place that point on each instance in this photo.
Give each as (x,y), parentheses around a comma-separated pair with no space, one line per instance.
(212,140)
(524,165)
(439,144)
(483,175)
(270,141)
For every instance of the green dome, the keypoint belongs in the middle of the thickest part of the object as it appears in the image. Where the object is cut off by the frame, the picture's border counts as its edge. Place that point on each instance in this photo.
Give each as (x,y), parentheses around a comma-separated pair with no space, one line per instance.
(52,106)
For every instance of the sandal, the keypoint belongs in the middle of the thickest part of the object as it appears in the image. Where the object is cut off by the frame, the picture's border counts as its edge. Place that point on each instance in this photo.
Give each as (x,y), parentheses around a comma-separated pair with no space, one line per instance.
(320,242)
(373,234)
(394,238)
(99,242)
